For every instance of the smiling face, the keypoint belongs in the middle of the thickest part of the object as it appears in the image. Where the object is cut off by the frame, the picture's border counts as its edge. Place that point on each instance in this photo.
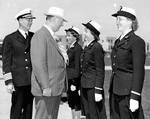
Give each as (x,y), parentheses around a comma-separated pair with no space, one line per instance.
(25,23)
(87,35)
(70,37)
(123,23)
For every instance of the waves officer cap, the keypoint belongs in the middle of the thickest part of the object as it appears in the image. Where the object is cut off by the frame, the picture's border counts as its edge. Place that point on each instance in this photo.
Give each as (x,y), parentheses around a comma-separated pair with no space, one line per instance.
(73,29)
(93,26)
(126,12)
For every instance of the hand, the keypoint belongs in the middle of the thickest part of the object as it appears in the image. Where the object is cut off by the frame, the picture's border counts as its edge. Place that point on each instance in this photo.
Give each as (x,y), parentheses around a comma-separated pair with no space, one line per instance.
(47,92)
(73,88)
(134,105)
(98,97)
(64,94)
(10,88)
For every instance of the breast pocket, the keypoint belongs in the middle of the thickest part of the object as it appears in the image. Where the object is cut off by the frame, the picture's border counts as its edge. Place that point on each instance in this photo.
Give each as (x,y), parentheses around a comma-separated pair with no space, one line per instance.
(124,52)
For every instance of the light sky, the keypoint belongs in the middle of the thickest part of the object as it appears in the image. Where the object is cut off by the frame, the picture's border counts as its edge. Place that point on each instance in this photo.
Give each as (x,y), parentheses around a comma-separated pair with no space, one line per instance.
(76,12)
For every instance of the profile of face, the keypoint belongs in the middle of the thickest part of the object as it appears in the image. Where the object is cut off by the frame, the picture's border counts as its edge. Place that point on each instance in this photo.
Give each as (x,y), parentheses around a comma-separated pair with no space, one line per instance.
(123,23)
(70,38)
(25,23)
(87,35)
(59,22)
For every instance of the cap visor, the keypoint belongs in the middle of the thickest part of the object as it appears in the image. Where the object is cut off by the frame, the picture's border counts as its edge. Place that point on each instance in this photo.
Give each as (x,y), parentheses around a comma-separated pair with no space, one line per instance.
(84,24)
(115,15)
(67,30)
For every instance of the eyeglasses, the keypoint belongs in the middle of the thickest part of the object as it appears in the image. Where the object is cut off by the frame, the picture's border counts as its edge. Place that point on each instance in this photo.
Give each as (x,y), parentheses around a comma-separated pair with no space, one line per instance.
(28,19)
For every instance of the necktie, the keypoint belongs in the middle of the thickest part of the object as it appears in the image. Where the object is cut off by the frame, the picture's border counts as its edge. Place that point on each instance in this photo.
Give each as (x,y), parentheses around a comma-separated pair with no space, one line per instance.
(26,34)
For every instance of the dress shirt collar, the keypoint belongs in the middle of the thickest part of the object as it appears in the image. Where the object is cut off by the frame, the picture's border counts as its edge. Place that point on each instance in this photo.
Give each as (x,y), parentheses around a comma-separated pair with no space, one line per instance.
(23,32)
(122,36)
(72,45)
(88,43)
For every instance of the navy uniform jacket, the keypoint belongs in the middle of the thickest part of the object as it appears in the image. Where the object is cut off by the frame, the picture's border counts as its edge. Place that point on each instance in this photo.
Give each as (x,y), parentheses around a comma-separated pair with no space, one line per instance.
(16,58)
(73,69)
(92,65)
(128,60)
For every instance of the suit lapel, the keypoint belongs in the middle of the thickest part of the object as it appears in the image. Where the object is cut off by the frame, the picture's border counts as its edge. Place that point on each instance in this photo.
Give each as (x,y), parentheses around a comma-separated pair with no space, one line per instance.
(52,40)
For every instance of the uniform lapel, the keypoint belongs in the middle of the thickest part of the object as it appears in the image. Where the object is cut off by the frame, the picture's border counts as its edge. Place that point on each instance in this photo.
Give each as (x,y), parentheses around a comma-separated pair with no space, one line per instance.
(125,39)
(20,37)
(28,39)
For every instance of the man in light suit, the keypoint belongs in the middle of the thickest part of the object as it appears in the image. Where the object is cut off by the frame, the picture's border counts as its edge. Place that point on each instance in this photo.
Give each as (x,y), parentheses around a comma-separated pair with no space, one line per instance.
(49,67)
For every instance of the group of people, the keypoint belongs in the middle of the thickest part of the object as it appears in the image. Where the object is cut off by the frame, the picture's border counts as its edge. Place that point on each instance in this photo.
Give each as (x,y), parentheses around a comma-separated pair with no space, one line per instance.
(36,66)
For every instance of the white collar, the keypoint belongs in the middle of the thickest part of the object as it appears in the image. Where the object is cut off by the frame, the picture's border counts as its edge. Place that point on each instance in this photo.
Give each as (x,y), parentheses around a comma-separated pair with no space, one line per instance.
(88,43)
(72,45)
(23,32)
(49,29)
(125,33)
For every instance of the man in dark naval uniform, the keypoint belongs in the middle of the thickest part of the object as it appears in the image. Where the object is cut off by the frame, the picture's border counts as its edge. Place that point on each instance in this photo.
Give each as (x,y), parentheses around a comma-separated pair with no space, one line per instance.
(17,66)
(128,60)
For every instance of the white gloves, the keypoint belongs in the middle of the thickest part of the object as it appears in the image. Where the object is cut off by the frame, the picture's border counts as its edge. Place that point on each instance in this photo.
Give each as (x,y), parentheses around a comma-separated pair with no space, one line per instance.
(10,88)
(98,97)
(73,88)
(134,105)
(47,92)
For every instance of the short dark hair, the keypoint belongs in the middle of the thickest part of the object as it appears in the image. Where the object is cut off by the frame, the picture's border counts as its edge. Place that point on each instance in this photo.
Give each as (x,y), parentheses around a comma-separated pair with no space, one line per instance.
(76,35)
(135,25)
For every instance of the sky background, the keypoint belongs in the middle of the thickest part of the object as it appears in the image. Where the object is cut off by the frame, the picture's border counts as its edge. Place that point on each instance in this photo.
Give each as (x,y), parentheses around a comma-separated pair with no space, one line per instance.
(76,12)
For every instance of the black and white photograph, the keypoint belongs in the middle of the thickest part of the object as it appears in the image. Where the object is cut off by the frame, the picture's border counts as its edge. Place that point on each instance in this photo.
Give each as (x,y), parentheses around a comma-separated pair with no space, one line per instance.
(74,59)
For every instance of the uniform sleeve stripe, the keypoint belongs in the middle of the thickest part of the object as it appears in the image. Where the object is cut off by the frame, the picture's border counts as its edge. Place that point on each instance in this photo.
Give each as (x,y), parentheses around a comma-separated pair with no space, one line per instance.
(98,88)
(136,93)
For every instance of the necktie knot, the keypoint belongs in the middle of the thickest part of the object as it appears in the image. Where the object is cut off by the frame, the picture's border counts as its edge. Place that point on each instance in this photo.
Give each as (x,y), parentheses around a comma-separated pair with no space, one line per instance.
(26,34)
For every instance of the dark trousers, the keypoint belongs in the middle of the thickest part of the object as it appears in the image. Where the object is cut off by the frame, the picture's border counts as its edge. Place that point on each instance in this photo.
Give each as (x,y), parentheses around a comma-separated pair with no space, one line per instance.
(119,108)
(22,101)
(93,110)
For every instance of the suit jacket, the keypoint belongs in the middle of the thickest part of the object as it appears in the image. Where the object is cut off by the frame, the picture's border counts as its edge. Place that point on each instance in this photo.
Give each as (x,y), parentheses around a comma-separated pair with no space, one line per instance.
(92,65)
(73,68)
(128,60)
(49,70)
(16,58)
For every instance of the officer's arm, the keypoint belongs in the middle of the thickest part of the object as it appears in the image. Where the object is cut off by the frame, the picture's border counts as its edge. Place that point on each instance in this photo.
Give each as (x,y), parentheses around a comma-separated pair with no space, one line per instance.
(99,63)
(7,60)
(138,56)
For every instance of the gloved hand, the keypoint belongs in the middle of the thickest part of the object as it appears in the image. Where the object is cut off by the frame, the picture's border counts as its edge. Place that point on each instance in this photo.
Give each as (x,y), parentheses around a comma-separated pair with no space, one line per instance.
(47,92)
(73,88)
(134,105)
(10,88)
(98,97)
(79,92)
